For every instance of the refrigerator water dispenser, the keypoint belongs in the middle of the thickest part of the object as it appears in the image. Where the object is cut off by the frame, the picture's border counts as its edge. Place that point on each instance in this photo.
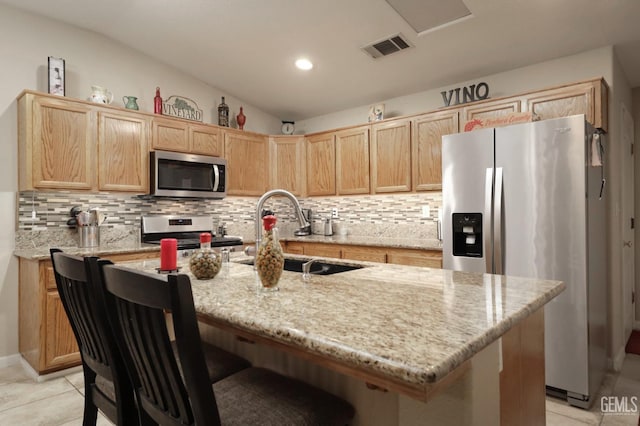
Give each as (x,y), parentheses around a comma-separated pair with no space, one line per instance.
(467,234)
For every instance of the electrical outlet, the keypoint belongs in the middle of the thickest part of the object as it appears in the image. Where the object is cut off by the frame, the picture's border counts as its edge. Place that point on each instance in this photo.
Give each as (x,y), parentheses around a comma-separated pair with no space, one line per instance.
(334,213)
(34,216)
(426,212)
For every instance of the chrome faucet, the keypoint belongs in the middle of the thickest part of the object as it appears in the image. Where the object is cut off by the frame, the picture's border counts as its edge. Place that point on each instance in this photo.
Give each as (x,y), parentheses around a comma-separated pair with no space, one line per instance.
(306,269)
(296,206)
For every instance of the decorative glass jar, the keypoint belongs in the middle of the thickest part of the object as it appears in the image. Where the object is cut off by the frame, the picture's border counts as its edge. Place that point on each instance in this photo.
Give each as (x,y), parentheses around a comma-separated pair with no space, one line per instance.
(205,263)
(270,258)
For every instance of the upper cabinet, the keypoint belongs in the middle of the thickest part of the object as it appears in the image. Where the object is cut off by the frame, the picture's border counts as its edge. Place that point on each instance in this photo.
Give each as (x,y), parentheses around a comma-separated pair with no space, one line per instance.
(588,98)
(352,161)
(206,140)
(321,164)
(288,159)
(490,109)
(56,140)
(170,135)
(123,152)
(391,156)
(426,156)
(247,161)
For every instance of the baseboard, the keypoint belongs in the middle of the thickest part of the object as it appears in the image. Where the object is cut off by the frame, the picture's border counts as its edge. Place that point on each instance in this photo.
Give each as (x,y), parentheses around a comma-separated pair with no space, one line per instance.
(8,361)
(618,359)
(44,377)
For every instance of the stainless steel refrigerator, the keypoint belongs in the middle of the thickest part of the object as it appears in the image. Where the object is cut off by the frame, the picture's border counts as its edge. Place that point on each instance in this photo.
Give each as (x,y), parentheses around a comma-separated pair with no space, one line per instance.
(527,200)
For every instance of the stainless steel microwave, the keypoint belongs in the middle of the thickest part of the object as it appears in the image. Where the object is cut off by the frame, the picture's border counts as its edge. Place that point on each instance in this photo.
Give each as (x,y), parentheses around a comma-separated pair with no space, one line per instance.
(175,174)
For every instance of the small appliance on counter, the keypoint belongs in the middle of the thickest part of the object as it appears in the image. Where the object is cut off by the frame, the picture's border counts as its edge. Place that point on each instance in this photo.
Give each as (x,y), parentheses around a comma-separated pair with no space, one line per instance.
(88,225)
(185,229)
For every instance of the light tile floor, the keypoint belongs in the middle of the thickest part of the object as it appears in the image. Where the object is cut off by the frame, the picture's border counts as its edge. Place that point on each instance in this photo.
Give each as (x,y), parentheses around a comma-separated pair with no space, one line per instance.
(59,402)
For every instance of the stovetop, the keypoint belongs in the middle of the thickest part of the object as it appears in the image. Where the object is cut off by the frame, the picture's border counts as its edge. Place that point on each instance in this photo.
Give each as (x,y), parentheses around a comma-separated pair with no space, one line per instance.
(185,229)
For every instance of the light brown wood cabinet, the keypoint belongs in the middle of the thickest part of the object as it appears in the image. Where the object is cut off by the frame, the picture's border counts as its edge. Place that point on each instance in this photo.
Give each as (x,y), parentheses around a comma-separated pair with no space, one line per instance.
(426,145)
(352,161)
(123,152)
(206,140)
(391,156)
(247,161)
(490,109)
(399,256)
(288,162)
(56,143)
(170,135)
(46,340)
(321,164)
(589,98)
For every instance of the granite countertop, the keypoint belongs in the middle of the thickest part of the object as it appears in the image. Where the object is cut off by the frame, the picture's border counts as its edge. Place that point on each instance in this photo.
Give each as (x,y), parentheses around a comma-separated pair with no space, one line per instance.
(42,253)
(405,324)
(409,243)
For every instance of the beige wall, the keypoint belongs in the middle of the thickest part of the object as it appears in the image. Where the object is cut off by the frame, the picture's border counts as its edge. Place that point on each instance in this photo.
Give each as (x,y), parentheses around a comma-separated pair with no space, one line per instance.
(90,59)
(636,120)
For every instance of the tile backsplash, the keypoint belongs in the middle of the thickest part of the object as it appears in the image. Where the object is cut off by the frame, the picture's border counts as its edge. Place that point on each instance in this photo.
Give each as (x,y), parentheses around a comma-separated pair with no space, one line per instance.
(42,216)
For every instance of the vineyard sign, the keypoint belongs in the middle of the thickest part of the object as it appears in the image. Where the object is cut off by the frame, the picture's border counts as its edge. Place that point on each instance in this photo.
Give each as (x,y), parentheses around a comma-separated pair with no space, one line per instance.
(181,107)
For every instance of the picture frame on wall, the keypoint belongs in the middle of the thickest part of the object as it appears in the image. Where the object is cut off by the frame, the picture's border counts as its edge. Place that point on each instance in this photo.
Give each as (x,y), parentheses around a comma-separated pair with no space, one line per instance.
(56,76)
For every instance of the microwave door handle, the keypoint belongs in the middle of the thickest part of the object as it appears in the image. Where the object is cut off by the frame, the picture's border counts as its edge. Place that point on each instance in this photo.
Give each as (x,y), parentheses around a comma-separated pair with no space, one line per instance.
(216,177)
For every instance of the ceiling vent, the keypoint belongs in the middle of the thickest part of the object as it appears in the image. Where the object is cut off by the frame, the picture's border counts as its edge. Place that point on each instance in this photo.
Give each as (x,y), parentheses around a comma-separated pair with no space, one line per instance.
(387,46)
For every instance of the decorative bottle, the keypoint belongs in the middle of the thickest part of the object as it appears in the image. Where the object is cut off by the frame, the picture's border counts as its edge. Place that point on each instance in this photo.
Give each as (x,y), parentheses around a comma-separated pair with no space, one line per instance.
(241,119)
(157,102)
(205,263)
(223,114)
(269,259)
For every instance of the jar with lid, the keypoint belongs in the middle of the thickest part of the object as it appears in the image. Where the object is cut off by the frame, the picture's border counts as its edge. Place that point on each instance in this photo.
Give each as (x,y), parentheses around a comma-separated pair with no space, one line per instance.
(270,258)
(205,263)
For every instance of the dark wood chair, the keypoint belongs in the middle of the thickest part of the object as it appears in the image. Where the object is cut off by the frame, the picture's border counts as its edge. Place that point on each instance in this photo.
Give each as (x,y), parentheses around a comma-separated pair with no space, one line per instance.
(136,302)
(106,383)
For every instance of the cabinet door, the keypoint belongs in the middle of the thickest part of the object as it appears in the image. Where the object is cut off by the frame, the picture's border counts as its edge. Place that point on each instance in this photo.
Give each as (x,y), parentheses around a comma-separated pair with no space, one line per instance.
(490,109)
(123,152)
(368,254)
(426,141)
(206,140)
(62,145)
(170,135)
(288,163)
(391,156)
(247,160)
(565,101)
(61,349)
(323,250)
(321,164)
(426,258)
(352,161)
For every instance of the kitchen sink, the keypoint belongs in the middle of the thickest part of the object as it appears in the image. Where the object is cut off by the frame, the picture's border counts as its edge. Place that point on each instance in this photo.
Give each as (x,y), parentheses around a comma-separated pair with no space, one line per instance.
(318,267)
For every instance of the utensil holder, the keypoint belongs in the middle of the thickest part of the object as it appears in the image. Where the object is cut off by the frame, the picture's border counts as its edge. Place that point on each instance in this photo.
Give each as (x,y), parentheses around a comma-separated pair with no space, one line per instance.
(89,236)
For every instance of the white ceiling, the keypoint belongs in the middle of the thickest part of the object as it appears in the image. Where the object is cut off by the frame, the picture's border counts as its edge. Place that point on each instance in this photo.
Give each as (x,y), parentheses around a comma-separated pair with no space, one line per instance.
(246,48)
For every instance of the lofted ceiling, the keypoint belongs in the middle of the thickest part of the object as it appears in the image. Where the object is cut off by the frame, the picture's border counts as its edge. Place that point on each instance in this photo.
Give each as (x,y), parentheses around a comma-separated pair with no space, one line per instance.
(247,48)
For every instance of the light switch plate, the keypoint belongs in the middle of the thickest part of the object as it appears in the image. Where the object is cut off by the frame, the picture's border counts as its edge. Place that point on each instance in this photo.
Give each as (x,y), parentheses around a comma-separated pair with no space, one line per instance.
(426,212)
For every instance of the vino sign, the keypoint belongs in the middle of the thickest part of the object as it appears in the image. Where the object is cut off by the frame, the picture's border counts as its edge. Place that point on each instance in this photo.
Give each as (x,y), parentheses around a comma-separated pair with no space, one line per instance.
(475,92)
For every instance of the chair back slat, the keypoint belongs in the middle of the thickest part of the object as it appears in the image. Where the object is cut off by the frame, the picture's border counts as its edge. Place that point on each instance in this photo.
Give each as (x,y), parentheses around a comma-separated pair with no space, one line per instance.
(136,303)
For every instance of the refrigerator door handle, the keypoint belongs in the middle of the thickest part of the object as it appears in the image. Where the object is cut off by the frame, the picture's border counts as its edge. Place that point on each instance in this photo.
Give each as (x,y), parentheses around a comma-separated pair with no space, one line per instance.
(487,221)
(497,224)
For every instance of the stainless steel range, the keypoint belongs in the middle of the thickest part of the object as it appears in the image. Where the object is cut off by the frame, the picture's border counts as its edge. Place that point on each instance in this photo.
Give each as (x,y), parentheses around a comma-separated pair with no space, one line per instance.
(185,229)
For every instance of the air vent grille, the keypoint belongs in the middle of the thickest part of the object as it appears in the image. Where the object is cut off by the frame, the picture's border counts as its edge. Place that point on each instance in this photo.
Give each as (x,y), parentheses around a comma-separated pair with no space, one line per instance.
(387,46)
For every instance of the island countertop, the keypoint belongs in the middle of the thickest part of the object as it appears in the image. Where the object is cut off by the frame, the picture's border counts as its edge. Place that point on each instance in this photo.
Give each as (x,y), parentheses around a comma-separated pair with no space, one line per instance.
(403,325)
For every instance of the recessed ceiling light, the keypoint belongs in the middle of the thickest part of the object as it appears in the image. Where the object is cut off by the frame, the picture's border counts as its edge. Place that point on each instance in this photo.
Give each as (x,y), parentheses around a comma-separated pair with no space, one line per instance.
(304,64)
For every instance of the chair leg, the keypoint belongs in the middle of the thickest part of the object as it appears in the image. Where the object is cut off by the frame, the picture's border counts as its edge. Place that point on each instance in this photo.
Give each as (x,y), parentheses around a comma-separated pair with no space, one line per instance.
(90,415)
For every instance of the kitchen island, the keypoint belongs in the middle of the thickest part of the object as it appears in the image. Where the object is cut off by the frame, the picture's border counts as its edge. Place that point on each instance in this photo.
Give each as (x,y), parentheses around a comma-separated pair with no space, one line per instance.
(429,339)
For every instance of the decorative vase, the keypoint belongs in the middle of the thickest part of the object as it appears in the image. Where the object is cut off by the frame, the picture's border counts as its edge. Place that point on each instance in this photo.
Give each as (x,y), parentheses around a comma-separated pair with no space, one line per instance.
(101,95)
(270,258)
(223,114)
(157,102)
(205,263)
(241,119)
(130,102)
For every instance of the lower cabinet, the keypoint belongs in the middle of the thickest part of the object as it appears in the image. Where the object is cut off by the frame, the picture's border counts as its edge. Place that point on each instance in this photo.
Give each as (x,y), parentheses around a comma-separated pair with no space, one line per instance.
(46,339)
(400,256)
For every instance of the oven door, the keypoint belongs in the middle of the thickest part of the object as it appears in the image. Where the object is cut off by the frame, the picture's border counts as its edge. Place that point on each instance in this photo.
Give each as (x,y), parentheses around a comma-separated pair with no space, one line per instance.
(175,174)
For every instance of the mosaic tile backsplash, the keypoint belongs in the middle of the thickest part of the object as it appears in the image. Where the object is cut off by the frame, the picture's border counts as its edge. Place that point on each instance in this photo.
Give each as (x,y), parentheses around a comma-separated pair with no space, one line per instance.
(45,214)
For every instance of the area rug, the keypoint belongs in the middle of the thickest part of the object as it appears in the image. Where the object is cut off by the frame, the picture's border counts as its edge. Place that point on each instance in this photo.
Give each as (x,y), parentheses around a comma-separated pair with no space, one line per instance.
(633,345)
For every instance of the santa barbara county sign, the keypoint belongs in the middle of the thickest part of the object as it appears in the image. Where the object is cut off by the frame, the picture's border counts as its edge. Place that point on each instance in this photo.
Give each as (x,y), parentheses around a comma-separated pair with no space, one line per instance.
(181,107)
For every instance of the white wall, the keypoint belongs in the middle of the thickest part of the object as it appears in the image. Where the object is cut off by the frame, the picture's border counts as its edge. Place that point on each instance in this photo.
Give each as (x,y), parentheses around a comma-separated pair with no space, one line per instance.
(90,59)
